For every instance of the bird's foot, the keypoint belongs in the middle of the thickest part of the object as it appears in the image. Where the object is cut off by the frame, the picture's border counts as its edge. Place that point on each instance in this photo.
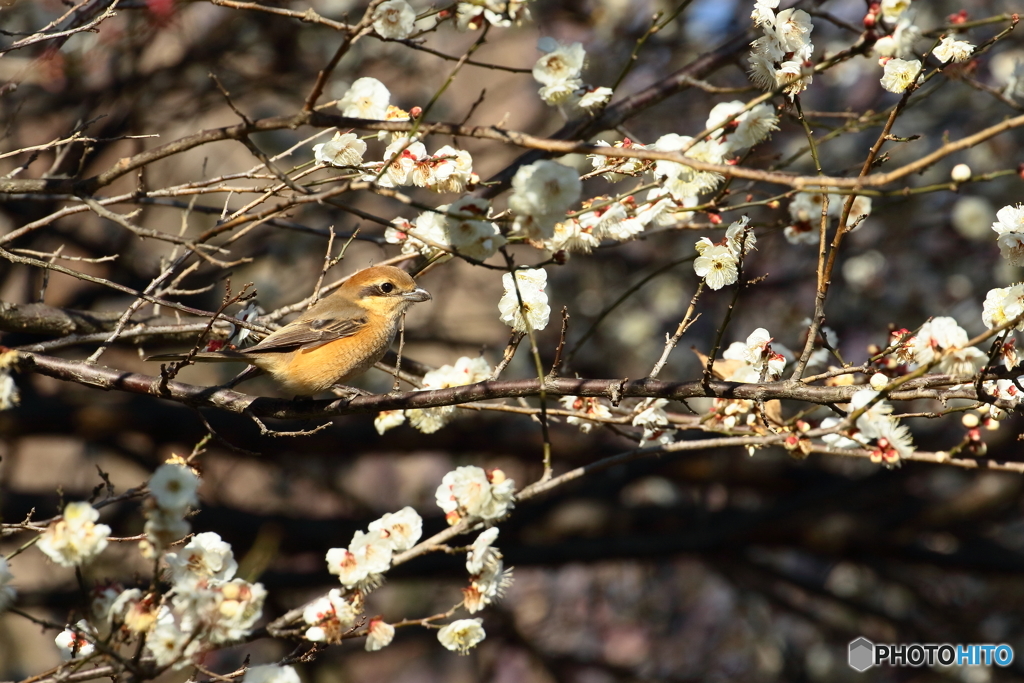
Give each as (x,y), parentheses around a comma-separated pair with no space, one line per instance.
(347,392)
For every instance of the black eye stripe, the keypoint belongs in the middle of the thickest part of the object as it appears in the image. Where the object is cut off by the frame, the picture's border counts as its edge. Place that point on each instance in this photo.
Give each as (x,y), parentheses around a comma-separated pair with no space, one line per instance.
(382,289)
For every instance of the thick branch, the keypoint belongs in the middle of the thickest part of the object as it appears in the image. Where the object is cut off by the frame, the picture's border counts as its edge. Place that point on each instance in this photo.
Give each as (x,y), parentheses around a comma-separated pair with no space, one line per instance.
(932,386)
(320,119)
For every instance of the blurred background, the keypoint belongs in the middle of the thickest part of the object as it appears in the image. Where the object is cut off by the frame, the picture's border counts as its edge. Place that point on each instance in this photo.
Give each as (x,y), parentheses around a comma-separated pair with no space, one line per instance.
(692,566)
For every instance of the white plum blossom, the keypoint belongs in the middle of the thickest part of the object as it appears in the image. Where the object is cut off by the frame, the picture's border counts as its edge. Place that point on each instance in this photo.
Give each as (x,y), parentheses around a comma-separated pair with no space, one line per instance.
(164,527)
(793,29)
(366,99)
(329,617)
(591,408)
(75,539)
(757,352)
(534,310)
(756,349)
(894,442)
(558,72)
(174,487)
(716,264)
(403,164)
(9,394)
(740,238)
(488,585)
(501,13)
(593,98)
(394,19)
(471,491)
(681,180)
(427,236)
(1009,226)
(379,635)
(344,149)
(781,57)
(217,611)
(900,74)
(763,13)
(452,170)
(652,414)
(900,43)
(615,169)
(480,552)
(462,635)
(75,643)
(754,126)
(807,207)
(168,643)
(892,9)
(859,211)
(571,236)
(205,557)
(876,428)
(654,420)
(368,555)
(541,194)
(1002,305)
(271,673)
(465,371)
(469,233)
(137,612)
(1009,219)
(388,419)
(402,528)
(942,336)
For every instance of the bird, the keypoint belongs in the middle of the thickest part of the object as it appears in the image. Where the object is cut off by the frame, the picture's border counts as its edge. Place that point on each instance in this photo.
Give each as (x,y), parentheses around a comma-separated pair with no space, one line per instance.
(340,337)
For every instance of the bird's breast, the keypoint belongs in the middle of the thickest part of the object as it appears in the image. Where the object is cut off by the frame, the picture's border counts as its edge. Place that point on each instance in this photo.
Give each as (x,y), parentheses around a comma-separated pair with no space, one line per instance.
(314,370)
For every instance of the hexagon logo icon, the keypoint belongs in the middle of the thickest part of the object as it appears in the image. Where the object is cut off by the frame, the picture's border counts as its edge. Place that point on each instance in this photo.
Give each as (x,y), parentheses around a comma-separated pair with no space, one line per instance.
(862,654)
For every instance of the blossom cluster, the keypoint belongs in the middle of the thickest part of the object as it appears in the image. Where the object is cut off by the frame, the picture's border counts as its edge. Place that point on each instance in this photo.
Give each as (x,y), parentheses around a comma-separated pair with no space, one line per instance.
(541,194)
(463,227)
(781,58)
(473,492)
(465,492)
(360,566)
(501,13)
(74,539)
(894,47)
(758,358)
(429,420)
(805,210)
(405,160)
(559,73)
(590,411)
(206,606)
(718,264)
(173,489)
(488,577)
(876,428)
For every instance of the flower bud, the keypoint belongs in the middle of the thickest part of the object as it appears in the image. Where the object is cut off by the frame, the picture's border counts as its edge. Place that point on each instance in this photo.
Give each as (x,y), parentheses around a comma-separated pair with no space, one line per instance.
(961,173)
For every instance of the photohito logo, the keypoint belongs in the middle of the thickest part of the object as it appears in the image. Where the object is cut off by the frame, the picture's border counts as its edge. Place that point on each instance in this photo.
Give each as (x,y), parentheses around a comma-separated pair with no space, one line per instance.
(864,654)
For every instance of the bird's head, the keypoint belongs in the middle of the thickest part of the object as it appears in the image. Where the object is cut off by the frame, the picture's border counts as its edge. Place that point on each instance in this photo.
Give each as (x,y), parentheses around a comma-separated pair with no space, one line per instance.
(384,289)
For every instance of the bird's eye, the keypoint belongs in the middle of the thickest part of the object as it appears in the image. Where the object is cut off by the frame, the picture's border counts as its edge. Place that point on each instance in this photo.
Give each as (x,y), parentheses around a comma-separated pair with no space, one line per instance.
(387,288)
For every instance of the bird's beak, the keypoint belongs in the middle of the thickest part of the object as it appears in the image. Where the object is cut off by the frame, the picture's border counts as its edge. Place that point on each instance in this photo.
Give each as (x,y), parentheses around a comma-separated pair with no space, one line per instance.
(417,295)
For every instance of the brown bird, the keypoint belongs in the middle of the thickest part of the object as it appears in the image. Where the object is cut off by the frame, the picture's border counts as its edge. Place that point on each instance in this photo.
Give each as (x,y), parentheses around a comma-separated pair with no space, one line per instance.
(340,337)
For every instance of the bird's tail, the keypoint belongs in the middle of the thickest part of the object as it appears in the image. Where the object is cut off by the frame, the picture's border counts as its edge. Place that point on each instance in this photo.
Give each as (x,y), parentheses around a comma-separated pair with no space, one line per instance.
(206,357)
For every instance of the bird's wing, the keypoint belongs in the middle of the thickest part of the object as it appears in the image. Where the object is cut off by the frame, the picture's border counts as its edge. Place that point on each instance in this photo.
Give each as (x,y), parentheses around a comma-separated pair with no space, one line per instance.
(317,326)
